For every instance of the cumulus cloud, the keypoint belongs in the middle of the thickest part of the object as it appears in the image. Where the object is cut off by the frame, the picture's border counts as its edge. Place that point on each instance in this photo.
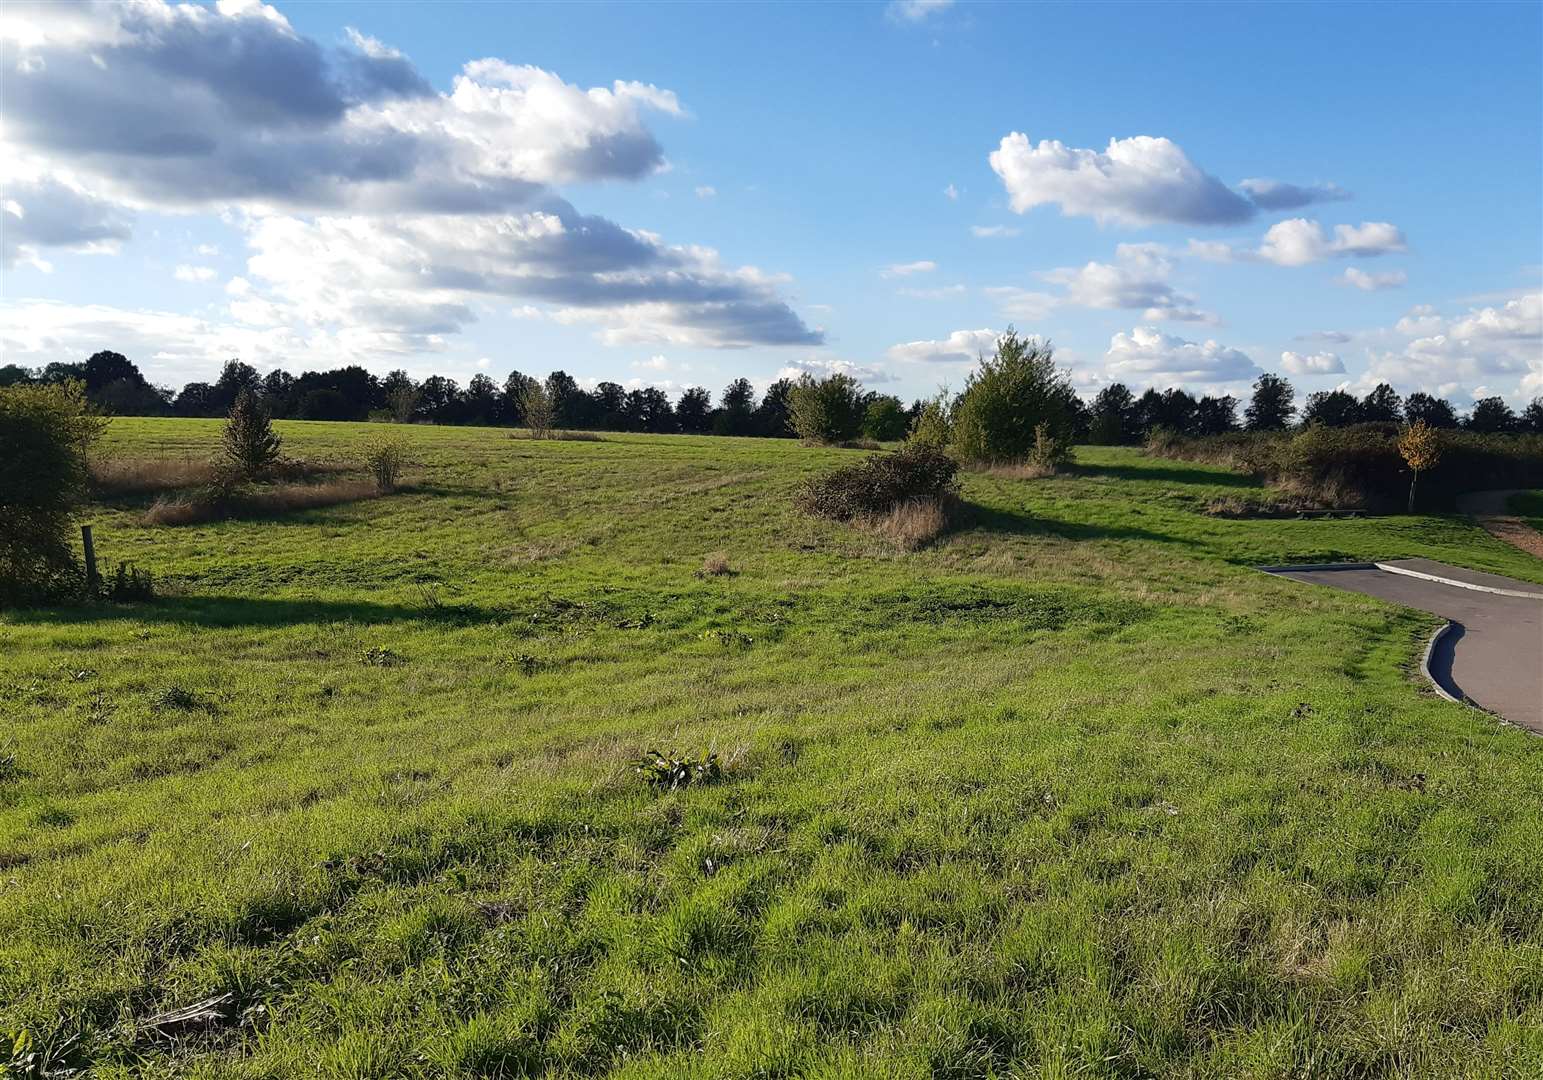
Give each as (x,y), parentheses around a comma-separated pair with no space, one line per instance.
(1357,278)
(1482,347)
(818,367)
(1336,337)
(1278,195)
(185,272)
(46,213)
(434,201)
(1299,241)
(1137,279)
(921,266)
(960,347)
(1319,363)
(1136,181)
(1146,355)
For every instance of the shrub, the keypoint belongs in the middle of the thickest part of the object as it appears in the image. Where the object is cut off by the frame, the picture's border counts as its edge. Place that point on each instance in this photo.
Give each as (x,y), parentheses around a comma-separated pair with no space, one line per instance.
(538,408)
(130,583)
(384,460)
(1050,451)
(46,436)
(671,771)
(1012,393)
(248,445)
(880,483)
(828,410)
(932,426)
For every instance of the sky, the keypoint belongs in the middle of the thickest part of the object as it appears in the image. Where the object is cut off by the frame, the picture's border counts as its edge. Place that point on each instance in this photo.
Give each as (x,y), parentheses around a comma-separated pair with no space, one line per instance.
(681,194)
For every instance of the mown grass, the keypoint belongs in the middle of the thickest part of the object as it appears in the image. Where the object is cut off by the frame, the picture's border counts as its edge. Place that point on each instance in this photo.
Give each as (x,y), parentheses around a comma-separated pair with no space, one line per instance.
(1072,791)
(1527,505)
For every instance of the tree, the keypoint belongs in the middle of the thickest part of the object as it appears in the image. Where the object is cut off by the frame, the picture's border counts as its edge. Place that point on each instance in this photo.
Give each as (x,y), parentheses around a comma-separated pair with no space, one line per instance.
(1433,411)
(108,367)
(324,403)
(827,410)
(14,375)
(440,399)
(1532,416)
(886,419)
(1009,395)
(402,396)
(514,393)
(481,403)
(1331,408)
(564,393)
(772,418)
(1216,415)
(1272,406)
(193,400)
(279,389)
(249,445)
(610,403)
(235,378)
(933,426)
(46,436)
(1114,416)
(536,409)
(734,416)
(693,413)
(1381,406)
(1491,416)
(1420,445)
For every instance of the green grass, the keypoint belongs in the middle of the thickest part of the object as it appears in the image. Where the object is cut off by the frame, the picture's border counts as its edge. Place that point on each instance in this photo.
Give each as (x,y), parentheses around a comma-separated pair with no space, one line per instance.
(1075,792)
(1527,505)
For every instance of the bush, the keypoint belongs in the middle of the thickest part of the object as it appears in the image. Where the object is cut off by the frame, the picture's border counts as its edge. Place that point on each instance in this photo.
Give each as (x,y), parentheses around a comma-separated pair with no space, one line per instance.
(248,445)
(932,426)
(46,436)
(538,409)
(384,460)
(828,410)
(881,483)
(1050,451)
(1012,393)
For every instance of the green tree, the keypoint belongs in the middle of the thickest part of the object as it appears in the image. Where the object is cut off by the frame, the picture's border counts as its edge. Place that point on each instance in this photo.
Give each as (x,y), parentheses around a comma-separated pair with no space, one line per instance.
(1272,406)
(1007,397)
(249,446)
(885,419)
(46,436)
(827,410)
(1491,416)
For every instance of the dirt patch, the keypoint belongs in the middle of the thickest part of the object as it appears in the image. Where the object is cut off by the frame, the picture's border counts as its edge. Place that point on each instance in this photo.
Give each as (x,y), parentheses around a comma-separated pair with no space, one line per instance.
(1515,532)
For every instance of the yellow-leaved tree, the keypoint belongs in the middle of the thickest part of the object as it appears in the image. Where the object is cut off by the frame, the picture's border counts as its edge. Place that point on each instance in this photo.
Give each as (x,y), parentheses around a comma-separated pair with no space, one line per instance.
(1421,446)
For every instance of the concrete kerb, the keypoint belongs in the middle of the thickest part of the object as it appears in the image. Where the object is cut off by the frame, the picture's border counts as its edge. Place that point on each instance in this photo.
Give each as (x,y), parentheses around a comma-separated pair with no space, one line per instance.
(1391,569)
(1430,651)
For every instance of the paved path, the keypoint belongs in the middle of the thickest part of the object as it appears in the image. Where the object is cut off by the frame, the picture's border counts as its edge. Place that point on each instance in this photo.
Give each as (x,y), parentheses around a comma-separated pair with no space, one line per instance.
(1493,655)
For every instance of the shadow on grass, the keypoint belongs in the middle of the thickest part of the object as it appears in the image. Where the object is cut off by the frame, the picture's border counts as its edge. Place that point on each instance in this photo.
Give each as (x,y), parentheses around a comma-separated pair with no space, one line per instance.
(991,519)
(231,611)
(1175,473)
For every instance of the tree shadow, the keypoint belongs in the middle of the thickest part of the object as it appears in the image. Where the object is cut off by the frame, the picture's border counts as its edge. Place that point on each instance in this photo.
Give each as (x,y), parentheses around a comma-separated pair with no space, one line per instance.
(991,519)
(224,612)
(1169,474)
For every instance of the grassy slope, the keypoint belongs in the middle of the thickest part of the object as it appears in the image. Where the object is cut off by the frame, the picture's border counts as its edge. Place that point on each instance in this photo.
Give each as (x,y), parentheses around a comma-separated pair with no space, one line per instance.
(1074,793)
(1528,505)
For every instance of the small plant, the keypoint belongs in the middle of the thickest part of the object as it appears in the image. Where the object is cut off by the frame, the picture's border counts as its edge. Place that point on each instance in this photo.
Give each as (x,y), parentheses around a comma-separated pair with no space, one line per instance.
(99,710)
(249,446)
(729,639)
(716,565)
(527,663)
(383,458)
(9,769)
(671,771)
(129,583)
(176,697)
(1050,451)
(1420,446)
(380,656)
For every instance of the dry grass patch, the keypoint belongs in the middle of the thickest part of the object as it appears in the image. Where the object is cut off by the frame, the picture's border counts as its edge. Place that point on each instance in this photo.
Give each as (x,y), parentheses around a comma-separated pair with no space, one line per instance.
(912,524)
(141,476)
(1020,470)
(716,565)
(557,435)
(268,500)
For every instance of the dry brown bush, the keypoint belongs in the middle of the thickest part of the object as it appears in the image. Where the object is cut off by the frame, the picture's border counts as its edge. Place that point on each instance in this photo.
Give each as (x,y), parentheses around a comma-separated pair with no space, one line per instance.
(912,524)
(715,565)
(215,504)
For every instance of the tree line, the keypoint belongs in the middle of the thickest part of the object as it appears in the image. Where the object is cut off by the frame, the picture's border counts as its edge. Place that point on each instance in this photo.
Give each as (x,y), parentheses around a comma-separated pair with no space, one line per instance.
(1117,415)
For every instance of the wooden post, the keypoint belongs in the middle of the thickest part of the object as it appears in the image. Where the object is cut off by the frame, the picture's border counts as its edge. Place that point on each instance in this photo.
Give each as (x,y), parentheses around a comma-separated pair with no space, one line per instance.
(93,581)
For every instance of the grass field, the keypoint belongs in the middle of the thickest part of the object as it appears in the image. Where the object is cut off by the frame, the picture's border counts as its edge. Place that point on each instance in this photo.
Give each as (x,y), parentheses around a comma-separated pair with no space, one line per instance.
(1074,792)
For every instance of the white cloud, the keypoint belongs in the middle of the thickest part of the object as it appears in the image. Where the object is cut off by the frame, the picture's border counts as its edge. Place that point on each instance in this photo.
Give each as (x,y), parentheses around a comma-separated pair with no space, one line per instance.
(1360,279)
(868,374)
(921,266)
(706,191)
(1136,181)
(1299,241)
(952,193)
(1320,363)
(193,273)
(1420,321)
(1137,279)
(1146,355)
(1336,337)
(484,362)
(208,251)
(915,11)
(1017,303)
(942,292)
(1277,195)
(1485,347)
(960,347)
(992,231)
(44,212)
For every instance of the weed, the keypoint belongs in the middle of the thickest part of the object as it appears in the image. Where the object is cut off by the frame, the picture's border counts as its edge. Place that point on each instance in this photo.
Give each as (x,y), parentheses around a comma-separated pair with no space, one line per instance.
(527,663)
(383,458)
(10,771)
(380,656)
(178,698)
(99,710)
(716,565)
(671,771)
(729,639)
(129,584)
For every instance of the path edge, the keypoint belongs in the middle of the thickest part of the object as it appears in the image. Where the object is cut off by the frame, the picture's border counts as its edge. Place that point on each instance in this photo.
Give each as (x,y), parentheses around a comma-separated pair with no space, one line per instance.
(1392,569)
(1430,651)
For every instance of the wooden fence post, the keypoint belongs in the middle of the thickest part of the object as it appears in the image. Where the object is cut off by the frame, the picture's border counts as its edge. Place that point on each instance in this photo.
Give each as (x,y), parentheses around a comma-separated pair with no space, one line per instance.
(93,581)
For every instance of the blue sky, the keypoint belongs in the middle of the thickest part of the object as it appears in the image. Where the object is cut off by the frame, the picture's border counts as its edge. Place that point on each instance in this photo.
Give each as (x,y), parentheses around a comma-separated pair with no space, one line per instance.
(681,194)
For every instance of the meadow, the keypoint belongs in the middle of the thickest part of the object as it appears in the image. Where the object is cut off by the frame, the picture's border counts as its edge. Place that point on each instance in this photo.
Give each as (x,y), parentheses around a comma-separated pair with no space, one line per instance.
(1074,791)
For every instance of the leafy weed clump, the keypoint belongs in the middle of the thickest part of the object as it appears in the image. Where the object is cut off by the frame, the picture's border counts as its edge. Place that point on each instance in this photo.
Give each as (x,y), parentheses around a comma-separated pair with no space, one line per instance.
(9,769)
(177,698)
(129,583)
(671,771)
(729,639)
(380,656)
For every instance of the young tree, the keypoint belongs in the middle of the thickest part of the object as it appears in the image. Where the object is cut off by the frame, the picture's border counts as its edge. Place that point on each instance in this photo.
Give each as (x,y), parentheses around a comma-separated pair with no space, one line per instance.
(1420,445)
(249,445)
(827,410)
(1491,416)
(402,396)
(1272,406)
(537,409)
(1007,397)
(1434,411)
(932,426)
(46,436)
(885,419)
